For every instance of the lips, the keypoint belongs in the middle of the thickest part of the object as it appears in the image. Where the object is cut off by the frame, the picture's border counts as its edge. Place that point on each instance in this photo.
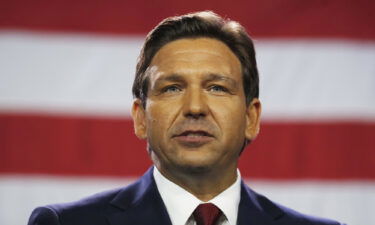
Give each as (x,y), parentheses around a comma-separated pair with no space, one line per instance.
(193,138)
(195,133)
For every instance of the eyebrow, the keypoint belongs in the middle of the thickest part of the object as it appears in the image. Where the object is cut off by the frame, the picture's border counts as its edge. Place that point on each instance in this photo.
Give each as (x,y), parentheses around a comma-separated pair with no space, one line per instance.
(210,77)
(219,77)
(172,77)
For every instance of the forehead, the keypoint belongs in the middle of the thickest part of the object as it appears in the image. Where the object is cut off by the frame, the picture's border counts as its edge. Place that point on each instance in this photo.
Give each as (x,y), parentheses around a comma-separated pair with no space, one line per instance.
(198,55)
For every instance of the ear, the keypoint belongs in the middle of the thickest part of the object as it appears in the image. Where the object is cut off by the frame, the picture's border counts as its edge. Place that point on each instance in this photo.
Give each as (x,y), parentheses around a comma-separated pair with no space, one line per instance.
(139,119)
(253,112)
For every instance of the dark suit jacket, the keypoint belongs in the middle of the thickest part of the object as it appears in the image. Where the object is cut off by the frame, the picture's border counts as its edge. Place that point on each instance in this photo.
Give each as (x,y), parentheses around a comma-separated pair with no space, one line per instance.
(140,204)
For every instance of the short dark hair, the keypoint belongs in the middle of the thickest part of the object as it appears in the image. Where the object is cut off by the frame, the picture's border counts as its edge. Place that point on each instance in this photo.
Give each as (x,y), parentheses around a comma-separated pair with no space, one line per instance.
(194,25)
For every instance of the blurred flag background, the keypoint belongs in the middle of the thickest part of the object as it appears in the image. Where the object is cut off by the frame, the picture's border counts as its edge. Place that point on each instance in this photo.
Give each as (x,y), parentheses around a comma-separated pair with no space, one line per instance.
(66,70)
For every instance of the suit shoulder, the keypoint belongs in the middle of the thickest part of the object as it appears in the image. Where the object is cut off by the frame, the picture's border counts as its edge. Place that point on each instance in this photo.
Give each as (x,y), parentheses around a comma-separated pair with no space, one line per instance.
(96,201)
(43,216)
(286,215)
(301,218)
(89,210)
(95,209)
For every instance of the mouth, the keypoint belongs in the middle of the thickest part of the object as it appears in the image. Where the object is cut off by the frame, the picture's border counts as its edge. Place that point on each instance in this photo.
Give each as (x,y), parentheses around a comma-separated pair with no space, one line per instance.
(191,138)
(198,133)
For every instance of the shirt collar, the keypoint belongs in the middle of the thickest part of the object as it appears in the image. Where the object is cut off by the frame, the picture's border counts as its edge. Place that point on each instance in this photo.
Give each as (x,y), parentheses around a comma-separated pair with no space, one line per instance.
(180,203)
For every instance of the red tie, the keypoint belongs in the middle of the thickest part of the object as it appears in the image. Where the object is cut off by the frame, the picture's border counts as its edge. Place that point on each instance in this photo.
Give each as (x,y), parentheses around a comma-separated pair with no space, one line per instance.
(207,214)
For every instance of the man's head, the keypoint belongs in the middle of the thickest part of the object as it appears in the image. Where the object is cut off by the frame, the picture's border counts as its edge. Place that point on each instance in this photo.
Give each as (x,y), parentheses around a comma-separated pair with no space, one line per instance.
(196,92)
(200,24)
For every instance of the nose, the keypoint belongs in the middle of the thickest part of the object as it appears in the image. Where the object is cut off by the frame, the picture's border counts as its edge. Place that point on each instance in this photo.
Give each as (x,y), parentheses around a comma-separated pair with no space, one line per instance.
(195,105)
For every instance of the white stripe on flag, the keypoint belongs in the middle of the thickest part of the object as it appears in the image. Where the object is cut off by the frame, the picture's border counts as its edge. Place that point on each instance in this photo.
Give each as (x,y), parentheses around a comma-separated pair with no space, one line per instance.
(327,199)
(300,79)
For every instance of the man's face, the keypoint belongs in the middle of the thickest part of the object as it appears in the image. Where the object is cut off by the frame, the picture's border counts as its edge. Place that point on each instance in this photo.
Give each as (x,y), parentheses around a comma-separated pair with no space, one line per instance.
(195,117)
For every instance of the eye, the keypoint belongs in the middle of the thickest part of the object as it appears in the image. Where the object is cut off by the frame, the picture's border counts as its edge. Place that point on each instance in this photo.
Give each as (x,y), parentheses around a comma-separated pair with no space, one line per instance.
(217,88)
(171,88)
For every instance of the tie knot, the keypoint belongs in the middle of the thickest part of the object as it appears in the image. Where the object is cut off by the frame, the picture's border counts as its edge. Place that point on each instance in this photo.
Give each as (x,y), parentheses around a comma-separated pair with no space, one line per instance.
(207,214)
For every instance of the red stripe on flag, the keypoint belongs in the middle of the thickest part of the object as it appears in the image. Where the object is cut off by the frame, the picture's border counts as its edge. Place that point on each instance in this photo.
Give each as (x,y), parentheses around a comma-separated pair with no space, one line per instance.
(62,145)
(278,18)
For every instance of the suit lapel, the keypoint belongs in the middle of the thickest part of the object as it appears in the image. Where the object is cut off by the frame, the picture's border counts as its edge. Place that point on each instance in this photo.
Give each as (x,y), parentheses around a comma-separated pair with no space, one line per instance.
(254,209)
(139,203)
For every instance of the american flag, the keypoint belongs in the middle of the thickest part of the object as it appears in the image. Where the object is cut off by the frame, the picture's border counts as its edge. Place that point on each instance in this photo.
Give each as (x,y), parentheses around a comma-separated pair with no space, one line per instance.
(66,70)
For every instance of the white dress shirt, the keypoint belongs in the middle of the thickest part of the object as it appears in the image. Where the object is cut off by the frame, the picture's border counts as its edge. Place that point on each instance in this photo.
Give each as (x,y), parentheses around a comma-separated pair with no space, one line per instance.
(181,204)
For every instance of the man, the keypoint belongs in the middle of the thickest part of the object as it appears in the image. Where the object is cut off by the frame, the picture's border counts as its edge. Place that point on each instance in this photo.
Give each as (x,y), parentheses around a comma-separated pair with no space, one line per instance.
(196,103)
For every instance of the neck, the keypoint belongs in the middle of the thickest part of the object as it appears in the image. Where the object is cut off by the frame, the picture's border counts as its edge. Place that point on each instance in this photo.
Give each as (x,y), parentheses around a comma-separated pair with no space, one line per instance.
(203,184)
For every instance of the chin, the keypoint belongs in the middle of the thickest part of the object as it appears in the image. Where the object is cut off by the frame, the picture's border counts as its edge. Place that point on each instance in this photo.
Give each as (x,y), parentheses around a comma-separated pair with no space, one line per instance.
(196,167)
(197,170)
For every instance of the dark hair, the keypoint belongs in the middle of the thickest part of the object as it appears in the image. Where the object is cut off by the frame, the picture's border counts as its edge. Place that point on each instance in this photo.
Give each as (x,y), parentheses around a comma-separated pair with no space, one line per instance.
(193,25)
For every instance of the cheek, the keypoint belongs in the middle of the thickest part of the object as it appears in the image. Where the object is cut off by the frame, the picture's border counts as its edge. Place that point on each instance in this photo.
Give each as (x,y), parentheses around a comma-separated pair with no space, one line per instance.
(231,117)
(159,117)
